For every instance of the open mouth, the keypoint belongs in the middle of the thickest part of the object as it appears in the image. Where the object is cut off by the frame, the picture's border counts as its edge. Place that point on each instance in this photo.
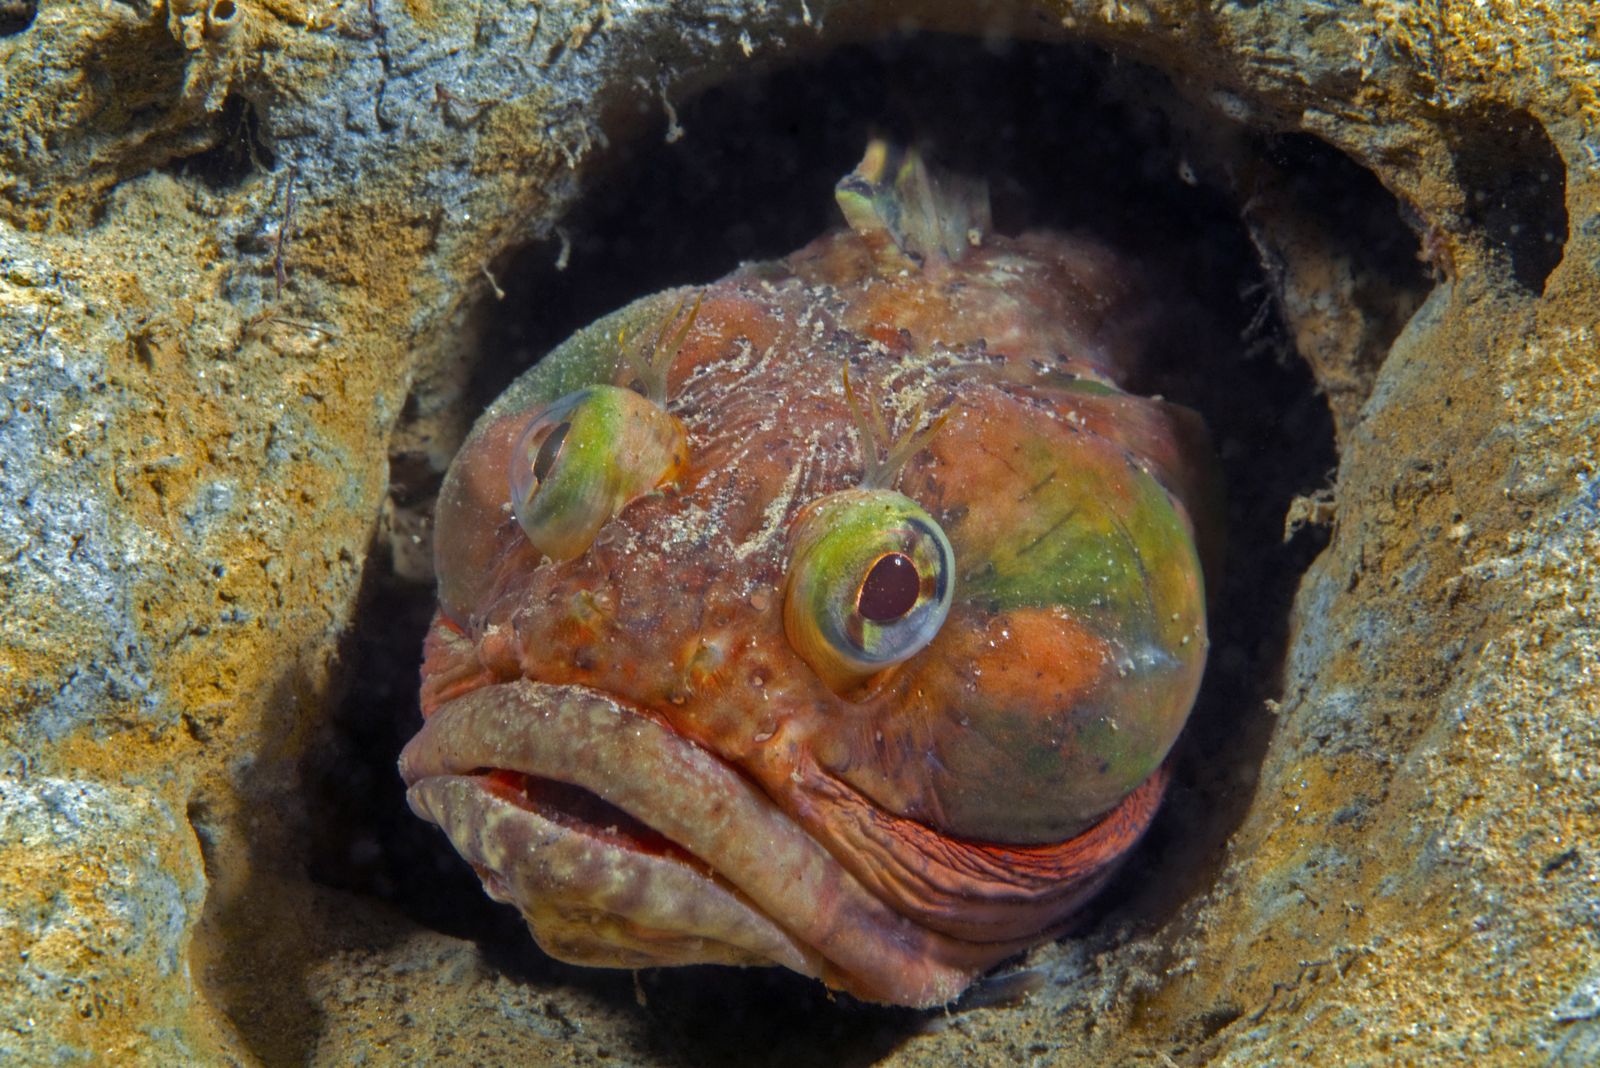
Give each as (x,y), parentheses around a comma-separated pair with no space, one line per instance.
(582,812)
(597,886)
(626,845)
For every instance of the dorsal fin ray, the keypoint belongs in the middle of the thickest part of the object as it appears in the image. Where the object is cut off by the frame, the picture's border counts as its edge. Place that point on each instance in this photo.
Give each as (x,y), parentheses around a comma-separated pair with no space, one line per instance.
(910,214)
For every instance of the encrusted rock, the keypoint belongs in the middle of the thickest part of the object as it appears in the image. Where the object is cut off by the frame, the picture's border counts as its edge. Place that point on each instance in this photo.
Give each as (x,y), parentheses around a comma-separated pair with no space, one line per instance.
(245,253)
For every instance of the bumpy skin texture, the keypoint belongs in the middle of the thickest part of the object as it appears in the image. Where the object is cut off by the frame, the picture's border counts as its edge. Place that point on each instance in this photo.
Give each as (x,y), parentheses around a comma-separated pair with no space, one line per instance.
(626,744)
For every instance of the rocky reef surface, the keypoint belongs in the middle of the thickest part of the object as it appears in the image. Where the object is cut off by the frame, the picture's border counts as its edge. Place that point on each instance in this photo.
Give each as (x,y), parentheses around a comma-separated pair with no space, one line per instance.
(250,256)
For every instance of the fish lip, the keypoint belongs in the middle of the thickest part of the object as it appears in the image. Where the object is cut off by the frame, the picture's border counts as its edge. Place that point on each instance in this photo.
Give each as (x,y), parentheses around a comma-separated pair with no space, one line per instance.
(706,807)
(554,858)
(591,899)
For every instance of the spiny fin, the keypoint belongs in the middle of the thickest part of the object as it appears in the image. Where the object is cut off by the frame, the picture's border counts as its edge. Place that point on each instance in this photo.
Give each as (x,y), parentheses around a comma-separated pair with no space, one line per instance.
(909,214)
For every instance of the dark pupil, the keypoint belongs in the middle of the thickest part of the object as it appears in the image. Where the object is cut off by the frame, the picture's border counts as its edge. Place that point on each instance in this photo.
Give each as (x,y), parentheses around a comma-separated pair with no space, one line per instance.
(891,589)
(548,452)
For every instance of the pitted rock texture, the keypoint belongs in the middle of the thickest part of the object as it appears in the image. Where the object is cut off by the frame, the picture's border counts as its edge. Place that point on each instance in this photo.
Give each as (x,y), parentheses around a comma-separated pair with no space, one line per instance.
(99,891)
(245,251)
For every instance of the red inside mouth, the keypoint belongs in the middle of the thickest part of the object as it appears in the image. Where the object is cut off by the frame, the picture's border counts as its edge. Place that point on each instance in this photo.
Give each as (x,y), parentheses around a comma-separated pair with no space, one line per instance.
(587,813)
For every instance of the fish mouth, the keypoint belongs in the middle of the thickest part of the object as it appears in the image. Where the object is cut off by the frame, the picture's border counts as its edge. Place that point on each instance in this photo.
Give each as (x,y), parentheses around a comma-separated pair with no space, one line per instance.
(625,844)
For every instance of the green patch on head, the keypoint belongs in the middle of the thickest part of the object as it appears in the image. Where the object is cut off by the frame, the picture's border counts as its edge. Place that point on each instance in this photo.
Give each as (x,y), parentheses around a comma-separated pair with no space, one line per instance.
(1088,532)
(592,355)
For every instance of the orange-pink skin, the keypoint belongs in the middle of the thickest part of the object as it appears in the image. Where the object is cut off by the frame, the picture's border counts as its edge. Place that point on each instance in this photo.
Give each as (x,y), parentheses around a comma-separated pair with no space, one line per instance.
(938,850)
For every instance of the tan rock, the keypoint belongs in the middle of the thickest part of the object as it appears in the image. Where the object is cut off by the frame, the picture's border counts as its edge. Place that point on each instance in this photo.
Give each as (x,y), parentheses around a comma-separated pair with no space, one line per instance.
(234,240)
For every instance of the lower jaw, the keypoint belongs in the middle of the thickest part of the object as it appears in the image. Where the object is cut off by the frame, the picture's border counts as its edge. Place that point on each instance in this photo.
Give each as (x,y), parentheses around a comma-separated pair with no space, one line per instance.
(591,899)
(742,882)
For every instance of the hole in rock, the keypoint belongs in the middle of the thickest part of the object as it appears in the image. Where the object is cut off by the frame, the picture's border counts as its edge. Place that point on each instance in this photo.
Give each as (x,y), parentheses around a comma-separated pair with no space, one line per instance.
(1068,139)
(239,151)
(1338,255)
(1515,183)
(17,15)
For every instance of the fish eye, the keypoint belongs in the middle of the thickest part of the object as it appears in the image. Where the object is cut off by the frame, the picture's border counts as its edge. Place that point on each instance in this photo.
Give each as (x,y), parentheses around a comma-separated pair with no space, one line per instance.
(890,590)
(869,584)
(583,458)
(546,457)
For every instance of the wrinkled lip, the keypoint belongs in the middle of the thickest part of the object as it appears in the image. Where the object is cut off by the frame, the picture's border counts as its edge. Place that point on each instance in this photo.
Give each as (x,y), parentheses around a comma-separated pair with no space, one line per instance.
(626,844)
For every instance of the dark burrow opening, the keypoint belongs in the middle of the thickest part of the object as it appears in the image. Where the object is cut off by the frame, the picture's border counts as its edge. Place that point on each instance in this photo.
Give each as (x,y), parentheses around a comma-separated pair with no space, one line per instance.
(1516,189)
(1067,139)
(239,148)
(17,15)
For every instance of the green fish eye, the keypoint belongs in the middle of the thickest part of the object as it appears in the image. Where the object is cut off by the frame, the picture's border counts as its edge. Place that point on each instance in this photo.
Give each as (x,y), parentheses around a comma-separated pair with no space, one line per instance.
(869,584)
(583,458)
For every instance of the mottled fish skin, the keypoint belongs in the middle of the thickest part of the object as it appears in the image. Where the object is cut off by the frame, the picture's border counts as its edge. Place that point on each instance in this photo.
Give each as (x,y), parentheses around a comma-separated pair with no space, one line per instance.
(635,746)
